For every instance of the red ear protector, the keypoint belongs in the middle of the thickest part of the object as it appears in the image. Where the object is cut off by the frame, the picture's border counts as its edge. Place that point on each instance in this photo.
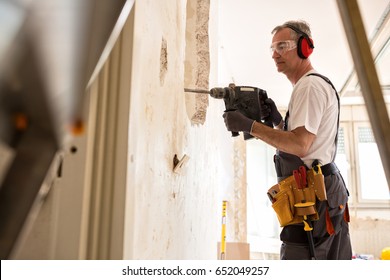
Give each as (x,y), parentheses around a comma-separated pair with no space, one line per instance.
(305,43)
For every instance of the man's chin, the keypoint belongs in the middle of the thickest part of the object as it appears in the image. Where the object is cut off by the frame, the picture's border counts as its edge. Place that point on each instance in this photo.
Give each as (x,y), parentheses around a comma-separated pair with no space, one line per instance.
(279,69)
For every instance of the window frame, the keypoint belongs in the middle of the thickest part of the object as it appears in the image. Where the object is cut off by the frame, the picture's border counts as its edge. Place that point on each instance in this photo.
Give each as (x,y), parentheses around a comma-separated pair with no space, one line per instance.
(358,198)
(351,171)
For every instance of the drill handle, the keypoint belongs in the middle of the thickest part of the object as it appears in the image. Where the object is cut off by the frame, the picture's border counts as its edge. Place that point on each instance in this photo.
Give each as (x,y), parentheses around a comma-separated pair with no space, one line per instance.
(234,133)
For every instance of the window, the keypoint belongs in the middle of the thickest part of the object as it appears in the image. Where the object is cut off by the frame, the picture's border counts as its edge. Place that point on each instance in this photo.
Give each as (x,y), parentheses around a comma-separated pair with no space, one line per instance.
(261,176)
(371,176)
(343,158)
(360,165)
(262,225)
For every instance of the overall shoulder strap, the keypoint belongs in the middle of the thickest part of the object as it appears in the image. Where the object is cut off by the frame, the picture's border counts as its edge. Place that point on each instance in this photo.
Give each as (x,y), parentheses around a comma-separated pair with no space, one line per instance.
(329,82)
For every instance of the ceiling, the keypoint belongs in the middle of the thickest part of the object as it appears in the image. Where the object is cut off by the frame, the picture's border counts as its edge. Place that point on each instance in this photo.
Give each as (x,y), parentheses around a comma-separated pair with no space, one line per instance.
(244,37)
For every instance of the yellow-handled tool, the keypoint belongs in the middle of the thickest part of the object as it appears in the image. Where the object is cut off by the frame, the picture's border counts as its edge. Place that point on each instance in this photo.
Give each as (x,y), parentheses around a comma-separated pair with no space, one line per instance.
(223,231)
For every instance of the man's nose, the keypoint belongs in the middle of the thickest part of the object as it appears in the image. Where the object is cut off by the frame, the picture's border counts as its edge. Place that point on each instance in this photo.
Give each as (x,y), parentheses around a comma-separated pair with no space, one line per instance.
(275,54)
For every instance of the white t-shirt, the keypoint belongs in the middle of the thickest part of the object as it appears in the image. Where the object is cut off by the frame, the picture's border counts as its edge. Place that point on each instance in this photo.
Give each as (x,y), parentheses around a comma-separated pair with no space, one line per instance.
(313,104)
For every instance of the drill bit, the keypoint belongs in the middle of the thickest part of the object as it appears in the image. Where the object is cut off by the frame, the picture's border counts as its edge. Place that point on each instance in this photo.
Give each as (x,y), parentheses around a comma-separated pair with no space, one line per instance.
(197,90)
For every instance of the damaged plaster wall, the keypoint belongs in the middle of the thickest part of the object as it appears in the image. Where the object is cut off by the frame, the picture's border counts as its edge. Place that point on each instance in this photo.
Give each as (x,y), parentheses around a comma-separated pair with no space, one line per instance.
(163,60)
(197,59)
(174,215)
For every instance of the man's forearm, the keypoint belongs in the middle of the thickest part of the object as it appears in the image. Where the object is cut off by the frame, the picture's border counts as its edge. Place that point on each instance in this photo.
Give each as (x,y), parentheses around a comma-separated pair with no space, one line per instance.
(294,142)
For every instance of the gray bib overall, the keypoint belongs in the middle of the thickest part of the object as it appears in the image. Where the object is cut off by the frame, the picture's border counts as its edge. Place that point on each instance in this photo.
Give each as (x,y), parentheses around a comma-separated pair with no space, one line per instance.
(331,231)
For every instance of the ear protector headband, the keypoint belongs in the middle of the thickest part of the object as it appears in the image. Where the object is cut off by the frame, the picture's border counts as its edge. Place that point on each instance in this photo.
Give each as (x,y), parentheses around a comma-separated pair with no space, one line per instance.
(305,43)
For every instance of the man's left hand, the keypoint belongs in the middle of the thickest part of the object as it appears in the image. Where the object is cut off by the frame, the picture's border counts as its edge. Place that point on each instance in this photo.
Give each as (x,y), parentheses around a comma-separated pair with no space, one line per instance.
(235,121)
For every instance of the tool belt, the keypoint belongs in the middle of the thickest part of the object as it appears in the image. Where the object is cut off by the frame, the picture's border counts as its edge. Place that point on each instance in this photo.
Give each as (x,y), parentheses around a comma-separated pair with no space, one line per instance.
(294,198)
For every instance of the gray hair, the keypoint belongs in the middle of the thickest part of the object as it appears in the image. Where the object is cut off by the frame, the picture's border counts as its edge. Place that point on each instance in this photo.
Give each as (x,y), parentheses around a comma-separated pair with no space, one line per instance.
(298,24)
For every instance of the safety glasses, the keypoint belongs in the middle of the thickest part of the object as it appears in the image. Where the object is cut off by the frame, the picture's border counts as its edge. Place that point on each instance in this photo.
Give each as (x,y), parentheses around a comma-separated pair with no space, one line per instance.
(281,47)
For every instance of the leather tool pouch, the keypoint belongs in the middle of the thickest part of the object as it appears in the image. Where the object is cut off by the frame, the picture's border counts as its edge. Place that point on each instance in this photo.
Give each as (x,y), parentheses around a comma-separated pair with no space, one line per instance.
(315,178)
(287,195)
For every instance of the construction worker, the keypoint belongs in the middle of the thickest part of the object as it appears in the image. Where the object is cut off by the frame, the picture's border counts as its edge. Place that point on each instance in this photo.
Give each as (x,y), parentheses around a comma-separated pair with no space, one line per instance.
(306,137)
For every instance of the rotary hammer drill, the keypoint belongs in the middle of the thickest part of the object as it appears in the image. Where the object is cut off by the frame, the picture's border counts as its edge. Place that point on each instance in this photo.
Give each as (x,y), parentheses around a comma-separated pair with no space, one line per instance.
(248,100)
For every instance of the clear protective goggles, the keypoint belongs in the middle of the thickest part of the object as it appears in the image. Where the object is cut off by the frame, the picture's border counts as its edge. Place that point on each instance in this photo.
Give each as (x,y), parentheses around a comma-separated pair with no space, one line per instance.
(281,47)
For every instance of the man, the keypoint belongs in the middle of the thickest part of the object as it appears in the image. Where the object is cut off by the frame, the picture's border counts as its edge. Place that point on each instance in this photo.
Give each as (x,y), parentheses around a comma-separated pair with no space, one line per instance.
(308,136)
